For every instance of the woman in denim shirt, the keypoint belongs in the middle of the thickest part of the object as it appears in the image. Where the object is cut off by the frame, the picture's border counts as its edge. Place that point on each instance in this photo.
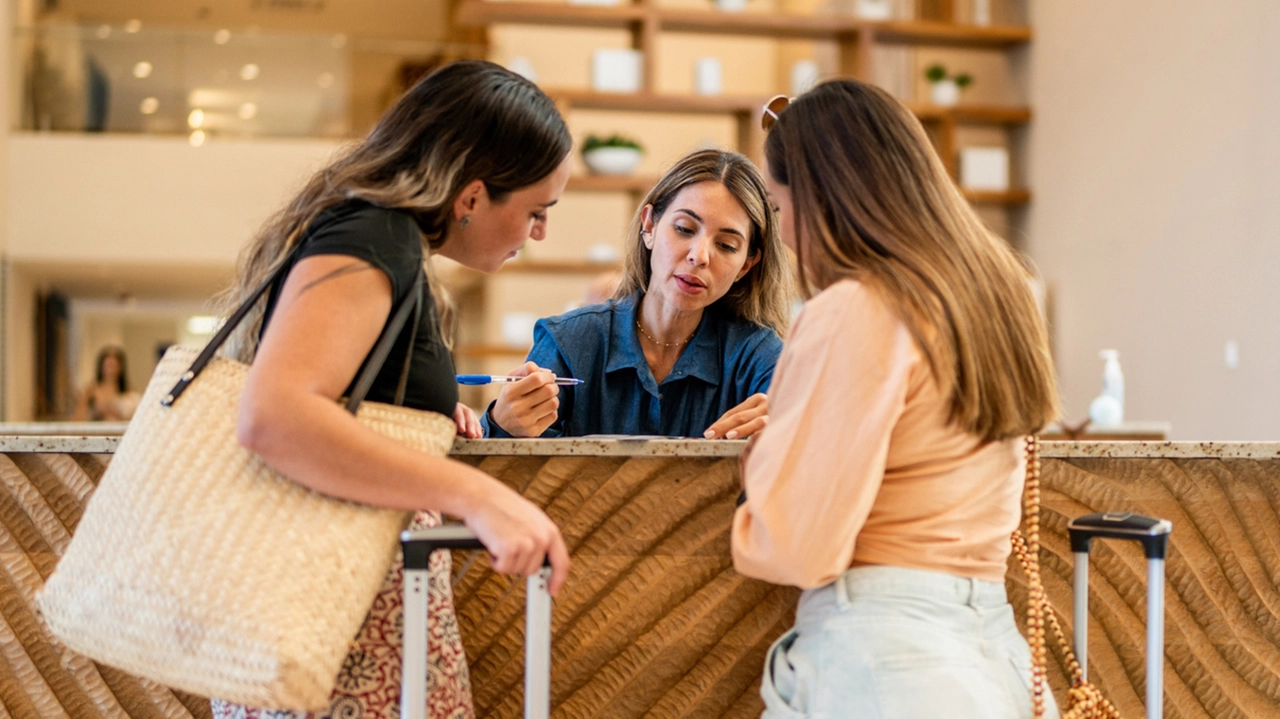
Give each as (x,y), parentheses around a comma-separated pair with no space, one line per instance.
(688,343)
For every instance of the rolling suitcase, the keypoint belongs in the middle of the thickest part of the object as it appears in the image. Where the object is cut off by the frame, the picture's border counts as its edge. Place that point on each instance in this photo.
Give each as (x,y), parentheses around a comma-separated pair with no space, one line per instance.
(418,545)
(1153,534)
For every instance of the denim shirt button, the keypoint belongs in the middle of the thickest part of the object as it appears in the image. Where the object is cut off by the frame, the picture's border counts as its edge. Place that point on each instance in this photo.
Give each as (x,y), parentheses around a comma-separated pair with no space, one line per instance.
(659,395)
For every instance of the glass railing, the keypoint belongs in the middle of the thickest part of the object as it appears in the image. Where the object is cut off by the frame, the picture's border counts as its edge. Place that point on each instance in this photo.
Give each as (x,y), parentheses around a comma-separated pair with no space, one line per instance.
(206,84)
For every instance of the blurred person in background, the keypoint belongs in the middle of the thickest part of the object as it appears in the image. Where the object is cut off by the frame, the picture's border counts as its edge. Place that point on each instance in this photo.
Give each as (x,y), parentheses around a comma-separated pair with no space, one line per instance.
(108,399)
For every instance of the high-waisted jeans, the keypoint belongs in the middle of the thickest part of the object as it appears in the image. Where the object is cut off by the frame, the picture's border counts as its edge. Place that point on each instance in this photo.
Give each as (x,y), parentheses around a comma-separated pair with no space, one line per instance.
(893,643)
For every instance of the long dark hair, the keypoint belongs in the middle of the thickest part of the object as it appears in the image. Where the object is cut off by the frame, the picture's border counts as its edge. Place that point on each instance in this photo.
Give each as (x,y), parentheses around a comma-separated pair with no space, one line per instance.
(877,205)
(122,382)
(469,120)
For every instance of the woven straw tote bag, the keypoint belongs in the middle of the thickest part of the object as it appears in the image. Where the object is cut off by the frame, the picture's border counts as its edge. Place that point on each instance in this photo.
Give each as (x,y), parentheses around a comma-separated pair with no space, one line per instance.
(199,567)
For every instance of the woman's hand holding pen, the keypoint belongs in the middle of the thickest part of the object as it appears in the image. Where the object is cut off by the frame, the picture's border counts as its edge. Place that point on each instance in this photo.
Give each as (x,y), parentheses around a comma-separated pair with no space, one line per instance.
(528,407)
(742,421)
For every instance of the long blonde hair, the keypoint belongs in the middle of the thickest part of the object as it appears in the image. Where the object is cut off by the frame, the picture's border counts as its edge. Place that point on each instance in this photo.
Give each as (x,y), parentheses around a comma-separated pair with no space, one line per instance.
(468,120)
(877,205)
(764,294)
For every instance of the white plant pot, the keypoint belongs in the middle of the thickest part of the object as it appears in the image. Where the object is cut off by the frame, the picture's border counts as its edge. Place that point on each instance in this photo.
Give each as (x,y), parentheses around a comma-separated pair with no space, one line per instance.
(612,160)
(945,93)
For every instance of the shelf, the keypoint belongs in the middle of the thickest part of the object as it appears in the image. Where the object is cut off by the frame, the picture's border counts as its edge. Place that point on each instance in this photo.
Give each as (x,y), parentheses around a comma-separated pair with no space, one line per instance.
(972,114)
(920,32)
(649,102)
(481,12)
(482,351)
(611,183)
(818,27)
(1007,198)
(559,267)
(815,27)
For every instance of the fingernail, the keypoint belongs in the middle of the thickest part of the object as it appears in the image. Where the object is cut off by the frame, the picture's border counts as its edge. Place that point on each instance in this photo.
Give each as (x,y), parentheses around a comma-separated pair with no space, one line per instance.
(731,434)
(708,434)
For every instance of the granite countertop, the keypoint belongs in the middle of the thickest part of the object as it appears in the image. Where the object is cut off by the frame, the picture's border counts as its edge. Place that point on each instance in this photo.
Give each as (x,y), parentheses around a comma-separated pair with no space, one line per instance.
(97,438)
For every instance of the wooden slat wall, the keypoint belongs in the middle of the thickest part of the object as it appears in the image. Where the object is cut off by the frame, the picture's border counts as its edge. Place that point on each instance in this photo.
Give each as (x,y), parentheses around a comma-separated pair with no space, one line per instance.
(654,621)
(42,497)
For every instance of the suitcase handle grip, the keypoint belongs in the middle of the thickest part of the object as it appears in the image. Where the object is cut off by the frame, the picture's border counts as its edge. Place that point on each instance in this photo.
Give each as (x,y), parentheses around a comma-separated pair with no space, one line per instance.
(1151,532)
(418,544)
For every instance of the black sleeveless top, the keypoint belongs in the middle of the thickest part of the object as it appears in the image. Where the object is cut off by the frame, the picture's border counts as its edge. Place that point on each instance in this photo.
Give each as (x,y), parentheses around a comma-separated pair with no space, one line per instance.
(390,241)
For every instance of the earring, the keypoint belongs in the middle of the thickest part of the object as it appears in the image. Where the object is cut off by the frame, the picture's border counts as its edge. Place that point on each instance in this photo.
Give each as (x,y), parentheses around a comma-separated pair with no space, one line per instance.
(466,220)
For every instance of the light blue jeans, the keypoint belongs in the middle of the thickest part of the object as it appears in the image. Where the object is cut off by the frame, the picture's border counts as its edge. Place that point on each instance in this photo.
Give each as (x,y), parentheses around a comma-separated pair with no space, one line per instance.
(894,643)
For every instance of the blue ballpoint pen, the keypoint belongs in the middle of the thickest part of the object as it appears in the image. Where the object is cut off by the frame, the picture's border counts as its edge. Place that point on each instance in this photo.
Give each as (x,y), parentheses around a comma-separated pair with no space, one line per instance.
(475,379)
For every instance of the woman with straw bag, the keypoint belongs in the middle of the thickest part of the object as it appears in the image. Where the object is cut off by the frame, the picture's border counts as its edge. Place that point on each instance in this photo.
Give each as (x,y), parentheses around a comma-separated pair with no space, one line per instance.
(465,164)
(890,476)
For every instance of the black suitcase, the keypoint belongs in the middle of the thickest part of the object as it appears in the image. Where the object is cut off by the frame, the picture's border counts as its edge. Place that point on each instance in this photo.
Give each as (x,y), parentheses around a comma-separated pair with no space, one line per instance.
(1153,534)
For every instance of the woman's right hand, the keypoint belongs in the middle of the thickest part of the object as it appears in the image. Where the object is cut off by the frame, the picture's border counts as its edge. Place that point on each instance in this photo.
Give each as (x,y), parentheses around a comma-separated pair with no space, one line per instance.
(528,407)
(518,535)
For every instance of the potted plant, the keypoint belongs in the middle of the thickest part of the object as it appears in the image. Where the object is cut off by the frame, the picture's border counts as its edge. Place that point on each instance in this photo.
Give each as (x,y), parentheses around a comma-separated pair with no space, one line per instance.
(613,155)
(945,89)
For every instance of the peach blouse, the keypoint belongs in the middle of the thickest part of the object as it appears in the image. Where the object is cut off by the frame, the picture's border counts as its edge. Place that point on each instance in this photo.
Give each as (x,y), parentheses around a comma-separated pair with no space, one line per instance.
(859,465)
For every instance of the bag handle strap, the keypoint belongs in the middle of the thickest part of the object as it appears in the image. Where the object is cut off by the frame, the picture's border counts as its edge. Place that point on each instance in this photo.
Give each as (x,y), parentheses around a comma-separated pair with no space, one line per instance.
(378,356)
(368,371)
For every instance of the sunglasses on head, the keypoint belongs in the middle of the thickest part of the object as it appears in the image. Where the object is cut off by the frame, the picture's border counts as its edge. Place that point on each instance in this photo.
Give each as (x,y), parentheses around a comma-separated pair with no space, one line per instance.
(772,109)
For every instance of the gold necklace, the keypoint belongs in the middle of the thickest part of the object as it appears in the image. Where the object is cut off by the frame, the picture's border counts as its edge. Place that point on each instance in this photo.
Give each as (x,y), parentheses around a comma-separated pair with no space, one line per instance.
(664,344)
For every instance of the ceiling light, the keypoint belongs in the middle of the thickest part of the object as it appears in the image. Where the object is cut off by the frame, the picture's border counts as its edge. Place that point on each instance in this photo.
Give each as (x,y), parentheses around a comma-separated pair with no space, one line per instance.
(196,118)
(202,325)
(149,106)
(325,80)
(249,72)
(142,70)
(197,138)
(222,37)
(133,26)
(248,111)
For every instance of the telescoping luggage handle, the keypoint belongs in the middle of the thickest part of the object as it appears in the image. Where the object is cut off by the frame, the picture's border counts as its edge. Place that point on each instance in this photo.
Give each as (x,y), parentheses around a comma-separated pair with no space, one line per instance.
(1153,534)
(418,546)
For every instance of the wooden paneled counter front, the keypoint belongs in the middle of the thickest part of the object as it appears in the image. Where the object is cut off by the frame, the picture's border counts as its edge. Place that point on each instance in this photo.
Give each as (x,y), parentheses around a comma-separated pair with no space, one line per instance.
(655,622)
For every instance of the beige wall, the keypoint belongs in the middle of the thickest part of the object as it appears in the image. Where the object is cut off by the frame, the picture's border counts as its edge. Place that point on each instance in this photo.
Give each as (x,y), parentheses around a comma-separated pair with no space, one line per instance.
(141,199)
(1155,164)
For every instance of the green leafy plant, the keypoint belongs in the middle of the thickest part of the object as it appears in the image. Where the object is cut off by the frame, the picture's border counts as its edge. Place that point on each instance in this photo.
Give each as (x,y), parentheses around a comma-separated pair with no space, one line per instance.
(595,142)
(938,73)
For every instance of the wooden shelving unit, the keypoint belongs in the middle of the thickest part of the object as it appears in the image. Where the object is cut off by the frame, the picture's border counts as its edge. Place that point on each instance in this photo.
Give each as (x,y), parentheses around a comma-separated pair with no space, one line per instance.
(645,21)
(479,13)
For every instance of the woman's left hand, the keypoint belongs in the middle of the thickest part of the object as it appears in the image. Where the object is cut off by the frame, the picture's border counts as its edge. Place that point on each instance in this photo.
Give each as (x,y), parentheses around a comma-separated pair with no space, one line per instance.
(742,421)
(468,423)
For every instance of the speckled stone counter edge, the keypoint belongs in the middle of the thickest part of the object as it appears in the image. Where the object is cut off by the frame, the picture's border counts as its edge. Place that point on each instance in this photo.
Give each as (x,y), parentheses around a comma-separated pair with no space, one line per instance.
(697,448)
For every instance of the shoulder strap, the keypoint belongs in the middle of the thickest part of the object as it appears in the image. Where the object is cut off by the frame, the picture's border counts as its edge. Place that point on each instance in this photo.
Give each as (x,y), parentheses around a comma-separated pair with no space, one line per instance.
(368,371)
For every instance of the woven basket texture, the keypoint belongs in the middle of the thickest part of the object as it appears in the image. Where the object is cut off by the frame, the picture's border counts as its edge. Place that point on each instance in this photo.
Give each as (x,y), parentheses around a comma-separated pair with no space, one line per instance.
(201,568)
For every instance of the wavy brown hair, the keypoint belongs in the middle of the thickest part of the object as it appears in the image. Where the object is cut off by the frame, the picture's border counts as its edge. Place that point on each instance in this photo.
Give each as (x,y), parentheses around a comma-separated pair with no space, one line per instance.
(468,120)
(877,205)
(764,294)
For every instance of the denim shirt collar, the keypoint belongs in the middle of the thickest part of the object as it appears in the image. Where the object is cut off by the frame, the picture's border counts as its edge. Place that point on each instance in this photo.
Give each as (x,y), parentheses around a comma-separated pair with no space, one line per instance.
(701,359)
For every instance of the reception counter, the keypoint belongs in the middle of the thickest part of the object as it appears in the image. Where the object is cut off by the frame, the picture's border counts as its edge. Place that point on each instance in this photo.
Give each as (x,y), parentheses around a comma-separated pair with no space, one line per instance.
(655,622)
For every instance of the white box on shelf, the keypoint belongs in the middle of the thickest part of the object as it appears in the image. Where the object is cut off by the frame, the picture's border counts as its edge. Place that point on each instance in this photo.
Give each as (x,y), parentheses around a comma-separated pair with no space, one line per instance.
(616,70)
(517,328)
(873,9)
(984,168)
(708,78)
(593,2)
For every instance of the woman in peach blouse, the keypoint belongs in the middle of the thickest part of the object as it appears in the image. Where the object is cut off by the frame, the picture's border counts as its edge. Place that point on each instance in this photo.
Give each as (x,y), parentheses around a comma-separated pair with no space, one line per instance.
(889,478)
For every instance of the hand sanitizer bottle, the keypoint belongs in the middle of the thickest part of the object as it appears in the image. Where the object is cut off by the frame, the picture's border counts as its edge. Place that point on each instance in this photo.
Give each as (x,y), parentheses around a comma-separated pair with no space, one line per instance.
(1107,409)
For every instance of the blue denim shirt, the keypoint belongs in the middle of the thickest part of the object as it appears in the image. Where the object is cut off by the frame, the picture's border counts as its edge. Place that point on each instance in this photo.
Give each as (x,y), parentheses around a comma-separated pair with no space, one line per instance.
(727,361)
